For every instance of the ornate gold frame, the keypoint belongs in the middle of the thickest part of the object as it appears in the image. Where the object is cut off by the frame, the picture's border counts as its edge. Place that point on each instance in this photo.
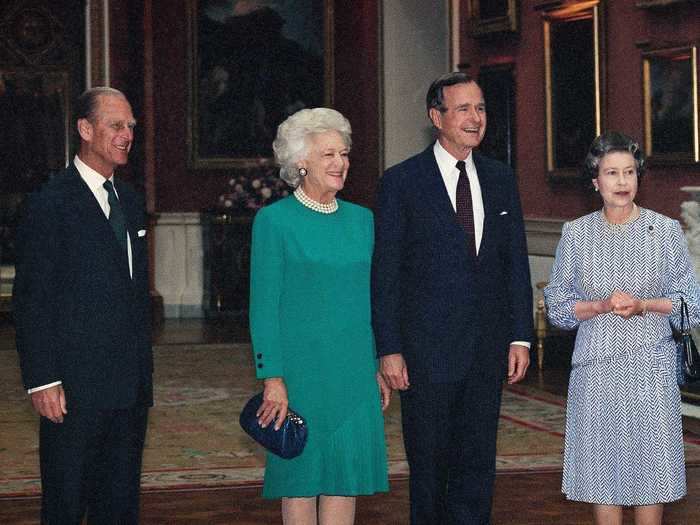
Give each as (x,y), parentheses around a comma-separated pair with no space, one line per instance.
(680,53)
(195,160)
(589,9)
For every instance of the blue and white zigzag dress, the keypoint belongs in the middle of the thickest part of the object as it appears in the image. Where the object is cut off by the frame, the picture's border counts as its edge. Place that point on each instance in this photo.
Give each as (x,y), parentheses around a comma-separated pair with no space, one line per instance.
(624,443)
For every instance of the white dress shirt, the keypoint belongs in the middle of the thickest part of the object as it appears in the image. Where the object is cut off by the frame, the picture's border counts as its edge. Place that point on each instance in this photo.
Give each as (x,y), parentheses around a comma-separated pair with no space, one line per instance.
(450,175)
(95,182)
(447,165)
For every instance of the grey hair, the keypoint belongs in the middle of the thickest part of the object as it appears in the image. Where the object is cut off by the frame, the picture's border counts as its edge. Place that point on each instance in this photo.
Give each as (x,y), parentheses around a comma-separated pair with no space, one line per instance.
(609,142)
(86,105)
(291,145)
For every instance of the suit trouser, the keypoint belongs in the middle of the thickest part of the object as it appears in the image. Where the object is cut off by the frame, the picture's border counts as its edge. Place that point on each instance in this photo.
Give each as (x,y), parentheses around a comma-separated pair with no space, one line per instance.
(92,461)
(450,438)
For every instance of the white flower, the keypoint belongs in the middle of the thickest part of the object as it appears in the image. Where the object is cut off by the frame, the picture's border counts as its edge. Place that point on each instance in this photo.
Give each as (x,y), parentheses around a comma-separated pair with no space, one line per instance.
(266,193)
(255,183)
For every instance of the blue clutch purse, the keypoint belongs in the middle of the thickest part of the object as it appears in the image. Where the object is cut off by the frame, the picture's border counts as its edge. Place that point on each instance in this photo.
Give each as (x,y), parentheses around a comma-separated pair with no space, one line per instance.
(287,442)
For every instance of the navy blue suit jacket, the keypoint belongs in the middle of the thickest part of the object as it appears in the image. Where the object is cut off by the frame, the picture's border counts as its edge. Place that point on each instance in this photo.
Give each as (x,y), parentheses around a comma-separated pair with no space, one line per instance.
(431,301)
(80,318)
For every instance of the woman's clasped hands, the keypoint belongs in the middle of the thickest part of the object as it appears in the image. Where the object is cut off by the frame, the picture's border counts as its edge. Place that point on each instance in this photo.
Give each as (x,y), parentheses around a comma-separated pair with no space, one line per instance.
(625,305)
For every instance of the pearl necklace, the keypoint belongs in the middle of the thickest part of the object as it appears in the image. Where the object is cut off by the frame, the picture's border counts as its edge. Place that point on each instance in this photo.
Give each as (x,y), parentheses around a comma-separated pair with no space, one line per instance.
(622,226)
(320,207)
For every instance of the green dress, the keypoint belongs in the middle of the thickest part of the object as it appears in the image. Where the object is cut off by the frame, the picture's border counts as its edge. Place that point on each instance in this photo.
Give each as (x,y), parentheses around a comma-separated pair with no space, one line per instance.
(310,324)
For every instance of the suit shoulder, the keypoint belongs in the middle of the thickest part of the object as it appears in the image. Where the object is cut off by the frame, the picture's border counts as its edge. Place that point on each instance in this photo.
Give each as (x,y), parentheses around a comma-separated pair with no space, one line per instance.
(53,191)
(406,168)
(492,164)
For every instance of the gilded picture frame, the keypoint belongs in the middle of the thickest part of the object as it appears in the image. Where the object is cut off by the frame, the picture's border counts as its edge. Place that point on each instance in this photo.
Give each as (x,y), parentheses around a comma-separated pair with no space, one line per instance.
(574,85)
(670,86)
(249,68)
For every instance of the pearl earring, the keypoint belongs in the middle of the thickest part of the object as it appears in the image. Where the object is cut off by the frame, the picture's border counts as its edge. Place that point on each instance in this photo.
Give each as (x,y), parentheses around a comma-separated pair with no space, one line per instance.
(302,172)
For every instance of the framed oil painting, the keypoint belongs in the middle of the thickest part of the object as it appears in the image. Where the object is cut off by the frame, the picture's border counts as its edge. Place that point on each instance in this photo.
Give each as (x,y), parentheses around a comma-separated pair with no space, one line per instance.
(34,117)
(573,85)
(498,85)
(493,16)
(252,64)
(42,72)
(670,79)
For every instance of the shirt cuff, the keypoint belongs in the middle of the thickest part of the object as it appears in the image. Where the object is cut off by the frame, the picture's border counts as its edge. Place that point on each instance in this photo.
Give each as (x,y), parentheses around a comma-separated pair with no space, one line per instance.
(526,344)
(43,387)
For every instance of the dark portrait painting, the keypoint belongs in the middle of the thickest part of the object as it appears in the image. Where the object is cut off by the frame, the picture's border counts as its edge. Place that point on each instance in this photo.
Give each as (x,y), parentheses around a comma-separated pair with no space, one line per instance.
(492,16)
(671,104)
(573,91)
(33,140)
(498,85)
(254,62)
(34,123)
(574,83)
(42,68)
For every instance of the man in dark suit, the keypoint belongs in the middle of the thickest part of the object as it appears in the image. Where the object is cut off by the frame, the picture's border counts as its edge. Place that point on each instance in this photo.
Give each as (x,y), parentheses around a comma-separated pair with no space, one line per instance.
(83,323)
(451,304)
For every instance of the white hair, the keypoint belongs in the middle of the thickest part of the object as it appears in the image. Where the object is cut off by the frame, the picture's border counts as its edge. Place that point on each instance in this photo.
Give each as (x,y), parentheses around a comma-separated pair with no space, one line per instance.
(291,144)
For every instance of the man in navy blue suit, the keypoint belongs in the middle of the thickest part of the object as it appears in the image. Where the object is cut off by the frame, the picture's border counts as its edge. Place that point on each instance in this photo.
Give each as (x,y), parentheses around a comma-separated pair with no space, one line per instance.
(451,304)
(83,323)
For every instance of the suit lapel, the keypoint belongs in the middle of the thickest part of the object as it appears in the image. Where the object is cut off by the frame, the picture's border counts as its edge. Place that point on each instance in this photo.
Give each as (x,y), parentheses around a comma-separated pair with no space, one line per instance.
(90,215)
(127,203)
(486,182)
(434,193)
(133,212)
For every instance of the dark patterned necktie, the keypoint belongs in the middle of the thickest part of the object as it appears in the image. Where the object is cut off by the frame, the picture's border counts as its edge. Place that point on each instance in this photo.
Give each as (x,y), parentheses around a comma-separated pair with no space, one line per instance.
(116,215)
(465,211)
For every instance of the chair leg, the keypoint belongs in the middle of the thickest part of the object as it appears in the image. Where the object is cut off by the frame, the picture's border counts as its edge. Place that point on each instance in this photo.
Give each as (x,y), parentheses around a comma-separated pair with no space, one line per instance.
(540,330)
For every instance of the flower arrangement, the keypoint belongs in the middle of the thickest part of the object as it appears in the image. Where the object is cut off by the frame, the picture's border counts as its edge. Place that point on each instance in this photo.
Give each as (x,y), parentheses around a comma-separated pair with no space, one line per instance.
(252,188)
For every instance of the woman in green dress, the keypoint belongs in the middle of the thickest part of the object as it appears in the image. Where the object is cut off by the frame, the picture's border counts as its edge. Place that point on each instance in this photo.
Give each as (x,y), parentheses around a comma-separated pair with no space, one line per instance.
(310,324)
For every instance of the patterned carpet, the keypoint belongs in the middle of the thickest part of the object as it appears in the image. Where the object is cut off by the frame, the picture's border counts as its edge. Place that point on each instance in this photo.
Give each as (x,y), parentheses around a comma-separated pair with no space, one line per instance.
(194,440)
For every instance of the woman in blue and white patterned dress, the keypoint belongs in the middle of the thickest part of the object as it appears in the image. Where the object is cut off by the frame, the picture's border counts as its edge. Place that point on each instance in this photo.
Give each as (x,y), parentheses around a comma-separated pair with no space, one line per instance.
(618,276)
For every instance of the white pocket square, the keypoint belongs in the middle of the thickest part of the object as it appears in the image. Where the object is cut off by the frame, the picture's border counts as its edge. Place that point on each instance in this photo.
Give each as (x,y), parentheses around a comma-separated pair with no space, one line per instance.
(141,233)
(504,212)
